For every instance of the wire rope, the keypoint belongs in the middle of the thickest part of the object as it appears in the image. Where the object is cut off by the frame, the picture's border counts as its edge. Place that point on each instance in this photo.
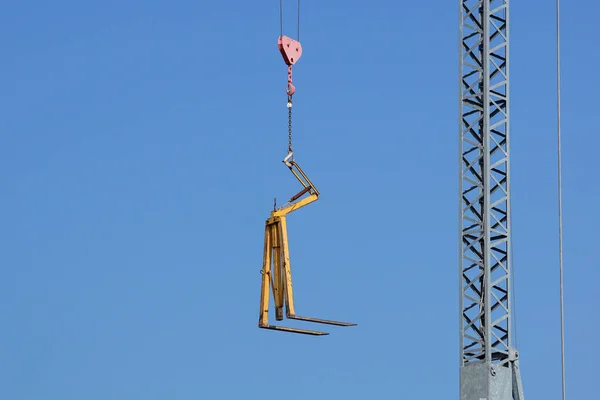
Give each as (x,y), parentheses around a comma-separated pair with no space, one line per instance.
(560,206)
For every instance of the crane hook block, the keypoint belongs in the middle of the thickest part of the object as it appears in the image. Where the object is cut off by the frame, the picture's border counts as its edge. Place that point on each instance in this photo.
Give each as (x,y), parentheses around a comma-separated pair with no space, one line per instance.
(290,49)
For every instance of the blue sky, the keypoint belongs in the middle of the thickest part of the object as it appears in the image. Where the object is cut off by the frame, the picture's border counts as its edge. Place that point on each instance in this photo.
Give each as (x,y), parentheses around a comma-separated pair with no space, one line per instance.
(141,151)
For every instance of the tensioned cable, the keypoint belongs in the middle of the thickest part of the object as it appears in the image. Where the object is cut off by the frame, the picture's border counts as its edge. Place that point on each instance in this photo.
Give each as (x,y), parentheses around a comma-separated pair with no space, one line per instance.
(513,287)
(560,226)
(298,20)
(281,19)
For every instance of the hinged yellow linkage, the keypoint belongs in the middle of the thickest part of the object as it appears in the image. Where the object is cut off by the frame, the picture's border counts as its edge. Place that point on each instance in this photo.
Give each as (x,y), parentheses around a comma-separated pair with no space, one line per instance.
(276,272)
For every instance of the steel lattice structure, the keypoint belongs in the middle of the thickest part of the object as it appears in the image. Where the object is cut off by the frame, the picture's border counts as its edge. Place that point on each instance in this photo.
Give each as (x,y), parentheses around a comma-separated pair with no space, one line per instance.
(489,367)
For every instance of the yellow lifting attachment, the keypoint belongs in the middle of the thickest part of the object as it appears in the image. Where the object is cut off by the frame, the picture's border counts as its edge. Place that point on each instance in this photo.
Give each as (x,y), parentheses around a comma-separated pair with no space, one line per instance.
(276,272)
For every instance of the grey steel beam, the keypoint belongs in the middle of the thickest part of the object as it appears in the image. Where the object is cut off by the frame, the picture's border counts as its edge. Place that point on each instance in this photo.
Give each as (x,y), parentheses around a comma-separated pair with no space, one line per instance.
(489,368)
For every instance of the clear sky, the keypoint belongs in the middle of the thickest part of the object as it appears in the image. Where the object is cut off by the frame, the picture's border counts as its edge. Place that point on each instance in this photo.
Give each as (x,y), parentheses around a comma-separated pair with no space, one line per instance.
(141,150)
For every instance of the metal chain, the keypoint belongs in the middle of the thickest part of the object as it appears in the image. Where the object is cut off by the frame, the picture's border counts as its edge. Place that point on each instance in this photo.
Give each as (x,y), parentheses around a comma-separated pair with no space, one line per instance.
(289,106)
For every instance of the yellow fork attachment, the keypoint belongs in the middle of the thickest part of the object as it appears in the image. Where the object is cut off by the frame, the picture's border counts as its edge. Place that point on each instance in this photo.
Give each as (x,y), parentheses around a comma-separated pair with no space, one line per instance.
(276,272)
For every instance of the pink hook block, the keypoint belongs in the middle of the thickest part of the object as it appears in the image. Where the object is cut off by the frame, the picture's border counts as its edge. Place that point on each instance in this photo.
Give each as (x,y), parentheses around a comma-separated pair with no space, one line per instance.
(290,49)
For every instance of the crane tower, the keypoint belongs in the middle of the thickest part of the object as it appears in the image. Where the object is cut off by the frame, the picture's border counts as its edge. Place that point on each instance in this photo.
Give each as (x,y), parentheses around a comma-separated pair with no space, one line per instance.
(489,366)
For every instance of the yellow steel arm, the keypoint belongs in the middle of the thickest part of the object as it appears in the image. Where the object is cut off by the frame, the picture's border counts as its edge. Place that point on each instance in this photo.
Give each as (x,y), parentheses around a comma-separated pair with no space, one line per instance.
(276,271)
